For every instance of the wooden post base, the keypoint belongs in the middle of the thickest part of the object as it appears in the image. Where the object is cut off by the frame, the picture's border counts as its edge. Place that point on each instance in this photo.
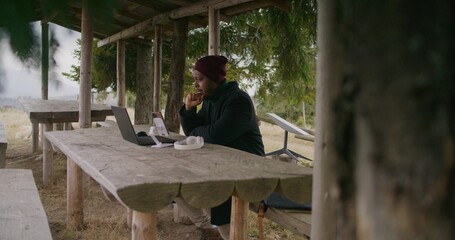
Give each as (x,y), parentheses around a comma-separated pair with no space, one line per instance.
(75,196)
(144,226)
(239,215)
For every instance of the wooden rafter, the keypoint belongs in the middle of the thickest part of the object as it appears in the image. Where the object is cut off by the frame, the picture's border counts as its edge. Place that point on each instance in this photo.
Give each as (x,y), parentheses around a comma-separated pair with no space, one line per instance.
(147,25)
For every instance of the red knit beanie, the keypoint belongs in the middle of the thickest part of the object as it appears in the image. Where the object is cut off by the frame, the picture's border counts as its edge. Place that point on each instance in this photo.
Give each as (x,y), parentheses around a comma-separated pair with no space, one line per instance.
(213,67)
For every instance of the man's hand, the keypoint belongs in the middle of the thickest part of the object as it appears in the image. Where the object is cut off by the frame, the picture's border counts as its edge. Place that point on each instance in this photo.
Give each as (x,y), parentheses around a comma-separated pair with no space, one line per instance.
(192,100)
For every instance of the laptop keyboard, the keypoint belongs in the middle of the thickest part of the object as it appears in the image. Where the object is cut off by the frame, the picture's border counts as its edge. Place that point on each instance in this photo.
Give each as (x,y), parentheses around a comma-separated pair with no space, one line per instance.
(147,140)
(164,139)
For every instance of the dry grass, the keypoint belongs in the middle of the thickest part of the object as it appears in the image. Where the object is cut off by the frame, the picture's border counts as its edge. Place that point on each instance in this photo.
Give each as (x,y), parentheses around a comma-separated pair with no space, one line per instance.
(107,220)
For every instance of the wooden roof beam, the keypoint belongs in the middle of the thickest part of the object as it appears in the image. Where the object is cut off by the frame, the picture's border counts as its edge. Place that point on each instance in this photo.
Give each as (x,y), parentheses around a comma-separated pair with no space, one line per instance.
(283,5)
(128,33)
(180,2)
(245,7)
(249,6)
(145,3)
(130,15)
(163,18)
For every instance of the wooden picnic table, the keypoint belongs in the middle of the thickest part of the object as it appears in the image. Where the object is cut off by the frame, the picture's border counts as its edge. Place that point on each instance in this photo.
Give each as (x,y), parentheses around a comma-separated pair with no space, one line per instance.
(146,179)
(49,112)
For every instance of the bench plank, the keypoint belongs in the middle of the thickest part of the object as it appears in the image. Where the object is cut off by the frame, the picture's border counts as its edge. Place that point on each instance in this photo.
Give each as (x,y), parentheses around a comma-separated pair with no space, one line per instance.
(3,145)
(298,222)
(22,214)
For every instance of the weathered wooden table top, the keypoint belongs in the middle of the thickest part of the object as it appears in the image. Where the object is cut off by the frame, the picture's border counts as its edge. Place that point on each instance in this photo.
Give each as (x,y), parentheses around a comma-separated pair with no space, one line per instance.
(64,110)
(147,179)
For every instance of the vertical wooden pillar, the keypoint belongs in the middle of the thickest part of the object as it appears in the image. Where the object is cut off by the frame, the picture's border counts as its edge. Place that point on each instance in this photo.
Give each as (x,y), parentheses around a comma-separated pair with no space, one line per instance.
(157,59)
(75,196)
(35,136)
(68,126)
(75,188)
(144,226)
(58,126)
(377,181)
(239,216)
(48,157)
(214,31)
(44,60)
(121,100)
(324,215)
(129,217)
(44,76)
(40,134)
(86,69)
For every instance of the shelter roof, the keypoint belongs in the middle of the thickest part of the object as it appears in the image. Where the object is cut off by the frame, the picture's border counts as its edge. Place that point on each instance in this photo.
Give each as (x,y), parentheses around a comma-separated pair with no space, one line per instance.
(135,19)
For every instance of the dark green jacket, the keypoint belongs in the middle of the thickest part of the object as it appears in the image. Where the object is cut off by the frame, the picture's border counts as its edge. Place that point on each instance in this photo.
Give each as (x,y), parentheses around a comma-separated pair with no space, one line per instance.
(228,118)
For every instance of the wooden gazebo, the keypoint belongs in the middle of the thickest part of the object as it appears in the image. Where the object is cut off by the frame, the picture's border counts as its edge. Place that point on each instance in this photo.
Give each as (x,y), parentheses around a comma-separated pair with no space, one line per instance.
(384,162)
(136,21)
(139,21)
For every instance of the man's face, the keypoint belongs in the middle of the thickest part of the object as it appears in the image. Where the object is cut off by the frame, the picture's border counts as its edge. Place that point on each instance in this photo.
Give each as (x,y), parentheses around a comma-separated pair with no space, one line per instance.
(204,85)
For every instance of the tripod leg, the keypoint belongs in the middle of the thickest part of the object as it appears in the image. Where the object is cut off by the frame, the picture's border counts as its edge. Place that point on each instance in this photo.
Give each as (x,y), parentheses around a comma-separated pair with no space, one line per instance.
(296,154)
(275,153)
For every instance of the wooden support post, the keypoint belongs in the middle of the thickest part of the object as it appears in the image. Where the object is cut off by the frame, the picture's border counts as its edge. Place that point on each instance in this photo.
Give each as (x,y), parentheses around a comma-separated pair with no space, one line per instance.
(144,226)
(239,216)
(48,157)
(75,182)
(86,183)
(58,126)
(40,134)
(35,136)
(85,93)
(75,196)
(157,59)
(121,100)
(3,145)
(214,31)
(129,217)
(68,126)
(44,60)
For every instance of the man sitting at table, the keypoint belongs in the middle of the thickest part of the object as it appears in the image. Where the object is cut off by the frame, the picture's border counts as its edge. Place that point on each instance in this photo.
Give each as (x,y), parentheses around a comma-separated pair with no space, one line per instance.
(227,117)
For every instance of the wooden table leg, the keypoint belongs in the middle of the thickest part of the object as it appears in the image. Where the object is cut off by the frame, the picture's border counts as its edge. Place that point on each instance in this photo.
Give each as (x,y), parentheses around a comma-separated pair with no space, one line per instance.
(41,134)
(68,126)
(74,196)
(239,216)
(129,217)
(47,157)
(144,226)
(58,126)
(35,137)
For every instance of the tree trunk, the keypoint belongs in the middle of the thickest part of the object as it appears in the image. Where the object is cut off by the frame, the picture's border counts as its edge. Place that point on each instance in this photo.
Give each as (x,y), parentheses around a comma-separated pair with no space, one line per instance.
(177,75)
(144,86)
(385,121)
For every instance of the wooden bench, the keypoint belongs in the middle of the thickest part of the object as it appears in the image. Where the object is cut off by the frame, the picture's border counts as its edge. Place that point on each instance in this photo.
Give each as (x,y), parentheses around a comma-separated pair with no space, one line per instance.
(3,145)
(298,222)
(22,215)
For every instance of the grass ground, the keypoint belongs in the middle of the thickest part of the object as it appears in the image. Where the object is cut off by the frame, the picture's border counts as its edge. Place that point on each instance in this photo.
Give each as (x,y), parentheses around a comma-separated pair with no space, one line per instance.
(105,219)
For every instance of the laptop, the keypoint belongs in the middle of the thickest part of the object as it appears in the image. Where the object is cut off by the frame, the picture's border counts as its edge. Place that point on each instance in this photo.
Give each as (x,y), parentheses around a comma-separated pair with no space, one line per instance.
(126,128)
